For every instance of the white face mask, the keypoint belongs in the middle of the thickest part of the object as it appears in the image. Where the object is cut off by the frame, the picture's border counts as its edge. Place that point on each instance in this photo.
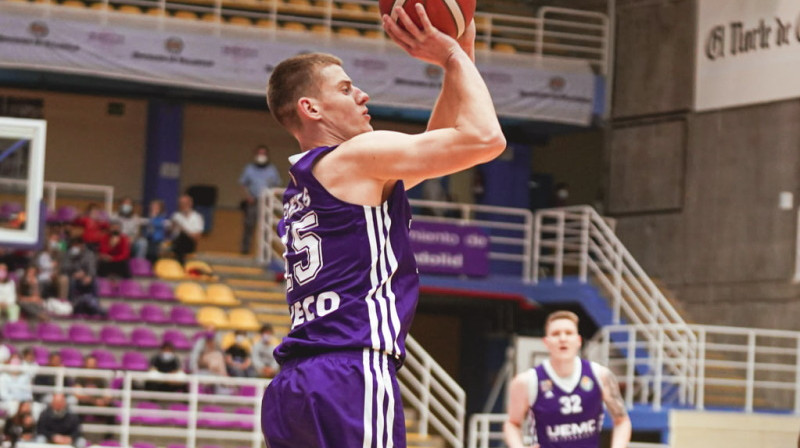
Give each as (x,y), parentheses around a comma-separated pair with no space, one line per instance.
(563,194)
(167,356)
(74,251)
(262,159)
(126,208)
(240,339)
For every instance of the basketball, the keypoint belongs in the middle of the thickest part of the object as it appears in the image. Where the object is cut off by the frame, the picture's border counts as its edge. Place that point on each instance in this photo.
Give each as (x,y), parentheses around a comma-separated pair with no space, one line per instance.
(449,16)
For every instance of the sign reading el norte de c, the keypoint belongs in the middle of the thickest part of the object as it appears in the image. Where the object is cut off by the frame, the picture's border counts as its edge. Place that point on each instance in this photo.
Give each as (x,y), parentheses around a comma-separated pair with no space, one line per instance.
(748,52)
(450,249)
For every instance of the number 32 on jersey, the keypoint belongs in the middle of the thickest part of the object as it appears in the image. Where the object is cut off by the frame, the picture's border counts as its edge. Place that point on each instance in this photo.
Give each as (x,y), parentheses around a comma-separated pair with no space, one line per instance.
(570,404)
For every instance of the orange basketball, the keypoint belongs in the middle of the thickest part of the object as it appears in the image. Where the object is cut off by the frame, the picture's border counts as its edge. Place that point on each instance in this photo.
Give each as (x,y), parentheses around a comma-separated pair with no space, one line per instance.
(449,16)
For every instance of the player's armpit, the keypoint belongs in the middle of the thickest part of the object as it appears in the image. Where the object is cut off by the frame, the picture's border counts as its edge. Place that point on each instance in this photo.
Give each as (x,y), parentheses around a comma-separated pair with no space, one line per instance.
(612,397)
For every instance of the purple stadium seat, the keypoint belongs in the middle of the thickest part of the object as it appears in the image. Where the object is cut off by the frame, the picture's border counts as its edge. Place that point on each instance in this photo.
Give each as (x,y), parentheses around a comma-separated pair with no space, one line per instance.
(52,216)
(144,337)
(110,442)
(134,361)
(211,422)
(176,445)
(247,391)
(246,421)
(105,359)
(145,444)
(82,334)
(180,416)
(122,312)
(9,209)
(41,354)
(71,357)
(50,332)
(161,291)
(140,267)
(148,419)
(106,288)
(182,315)
(18,331)
(178,339)
(131,289)
(153,314)
(67,213)
(113,336)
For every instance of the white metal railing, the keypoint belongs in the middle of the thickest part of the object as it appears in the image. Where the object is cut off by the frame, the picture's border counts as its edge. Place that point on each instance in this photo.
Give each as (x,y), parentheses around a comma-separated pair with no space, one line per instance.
(554,32)
(740,368)
(578,238)
(510,229)
(53,189)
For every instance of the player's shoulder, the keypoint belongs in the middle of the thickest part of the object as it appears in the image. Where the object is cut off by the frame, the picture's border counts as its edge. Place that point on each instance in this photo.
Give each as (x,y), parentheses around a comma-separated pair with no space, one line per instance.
(370,141)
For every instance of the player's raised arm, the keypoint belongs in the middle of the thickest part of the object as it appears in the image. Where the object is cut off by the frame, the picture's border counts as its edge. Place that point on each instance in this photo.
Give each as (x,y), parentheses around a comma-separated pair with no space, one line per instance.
(518,407)
(616,407)
(473,137)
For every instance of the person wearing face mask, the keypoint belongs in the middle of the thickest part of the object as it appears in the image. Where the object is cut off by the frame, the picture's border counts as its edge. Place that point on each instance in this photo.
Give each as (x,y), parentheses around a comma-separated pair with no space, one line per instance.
(8,295)
(15,385)
(165,361)
(561,195)
(257,176)
(115,253)
(78,262)
(263,359)
(130,225)
(58,426)
(237,357)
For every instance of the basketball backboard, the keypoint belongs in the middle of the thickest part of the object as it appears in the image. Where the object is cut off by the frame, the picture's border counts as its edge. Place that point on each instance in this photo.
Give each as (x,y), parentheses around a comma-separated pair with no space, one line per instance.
(22,151)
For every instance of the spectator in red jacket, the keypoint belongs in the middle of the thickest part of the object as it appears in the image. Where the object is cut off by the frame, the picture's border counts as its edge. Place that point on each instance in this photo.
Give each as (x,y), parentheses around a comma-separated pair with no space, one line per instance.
(114,254)
(93,226)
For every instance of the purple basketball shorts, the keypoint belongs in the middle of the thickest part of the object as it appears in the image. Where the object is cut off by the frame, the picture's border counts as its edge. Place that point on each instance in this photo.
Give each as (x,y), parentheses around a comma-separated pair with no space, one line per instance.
(334,400)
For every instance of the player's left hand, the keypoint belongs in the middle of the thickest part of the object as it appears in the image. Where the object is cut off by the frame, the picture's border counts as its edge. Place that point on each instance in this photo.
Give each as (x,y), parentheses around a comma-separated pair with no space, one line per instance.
(427,44)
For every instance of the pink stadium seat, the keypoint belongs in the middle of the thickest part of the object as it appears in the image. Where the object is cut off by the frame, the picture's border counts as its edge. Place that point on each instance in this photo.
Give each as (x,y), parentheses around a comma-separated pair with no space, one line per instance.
(140,267)
(161,291)
(18,331)
(148,419)
(106,288)
(246,421)
(247,391)
(50,332)
(153,314)
(178,339)
(134,361)
(113,336)
(131,289)
(41,354)
(67,213)
(180,416)
(82,334)
(110,443)
(210,422)
(144,337)
(71,357)
(105,359)
(145,444)
(122,312)
(182,315)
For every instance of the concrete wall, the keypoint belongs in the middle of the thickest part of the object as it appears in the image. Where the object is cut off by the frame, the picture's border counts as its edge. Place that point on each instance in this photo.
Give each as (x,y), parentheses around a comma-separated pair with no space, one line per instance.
(696,195)
(691,429)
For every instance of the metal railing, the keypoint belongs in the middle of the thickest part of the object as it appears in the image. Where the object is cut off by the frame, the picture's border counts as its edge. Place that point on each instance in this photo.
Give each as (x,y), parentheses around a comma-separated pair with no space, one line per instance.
(579,239)
(52,191)
(562,33)
(510,229)
(737,368)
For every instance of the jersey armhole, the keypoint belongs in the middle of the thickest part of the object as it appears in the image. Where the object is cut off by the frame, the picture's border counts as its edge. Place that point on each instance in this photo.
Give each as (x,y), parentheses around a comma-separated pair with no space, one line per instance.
(598,371)
(533,387)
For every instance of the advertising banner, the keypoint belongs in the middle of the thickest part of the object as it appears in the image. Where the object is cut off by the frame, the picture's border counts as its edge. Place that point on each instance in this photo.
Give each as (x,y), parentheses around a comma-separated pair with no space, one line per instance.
(450,249)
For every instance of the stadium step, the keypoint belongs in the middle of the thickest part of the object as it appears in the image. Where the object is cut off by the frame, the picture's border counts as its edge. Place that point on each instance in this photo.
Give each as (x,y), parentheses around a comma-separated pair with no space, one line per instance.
(261,296)
(240,272)
(257,285)
(226,258)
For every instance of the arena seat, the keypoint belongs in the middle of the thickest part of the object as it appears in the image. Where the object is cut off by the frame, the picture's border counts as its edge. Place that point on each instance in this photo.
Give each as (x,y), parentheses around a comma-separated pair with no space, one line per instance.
(148,419)
(348,32)
(294,26)
(71,357)
(100,6)
(182,315)
(177,338)
(162,421)
(374,9)
(153,314)
(169,269)
(114,336)
(140,267)
(73,4)
(211,315)
(158,12)
(214,422)
(320,29)
(18,331)
(50,332)
(105,359)
(265,23)
(129,9)
(187,15)
(122,312)
(82,334)
(210,17)
(106,288)
(481,45)
(135,361)
(197,269)
(221,294)
(131,289)
(374,34)
(239,20)
(144,337)
(160,291)
(190,292)
(246,421)
(42,354)
(179,417)
(243,319)
(501,47)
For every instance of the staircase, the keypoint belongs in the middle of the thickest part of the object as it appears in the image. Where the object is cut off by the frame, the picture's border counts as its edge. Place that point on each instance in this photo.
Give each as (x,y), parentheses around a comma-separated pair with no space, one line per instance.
(421,378)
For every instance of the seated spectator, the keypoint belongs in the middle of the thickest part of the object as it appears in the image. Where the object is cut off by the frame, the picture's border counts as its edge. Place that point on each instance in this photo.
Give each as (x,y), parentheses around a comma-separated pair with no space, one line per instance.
(49,379)
(15,386)
(206,357)
(263,359)
(114,254)
(29,357)
(131,225)
(87,393)
(83,296)
(93,226)
(165,361)
(20,427)
(5,351)
(155,232)
(30,298)
(59,426)
(8,295)
(79,258)
(187,227)
(237,357)
(53,287)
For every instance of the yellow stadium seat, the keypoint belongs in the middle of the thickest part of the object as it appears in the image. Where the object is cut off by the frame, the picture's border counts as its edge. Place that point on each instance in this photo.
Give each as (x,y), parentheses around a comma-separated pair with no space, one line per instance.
(213,316)
(481,45)
(199,270)
(210,17)
(188,15)
(158,12)
(348,32)
(265,23)
(374,9)
(238,20)
(221,294)
(481,23)
(243,319)
(229,338)
(319,29)
(167,268)
(504,48)
(129,9)
(190,292)
(294,26)
(100,6)
(374,34)
(73,4)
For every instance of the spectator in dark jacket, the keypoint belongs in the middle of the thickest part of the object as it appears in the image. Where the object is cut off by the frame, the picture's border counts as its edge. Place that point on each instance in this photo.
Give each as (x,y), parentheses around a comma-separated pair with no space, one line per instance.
(59,426)
(22,426)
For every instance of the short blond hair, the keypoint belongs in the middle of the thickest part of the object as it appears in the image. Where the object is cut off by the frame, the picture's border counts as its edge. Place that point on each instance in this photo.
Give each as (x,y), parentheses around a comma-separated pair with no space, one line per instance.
(556,315)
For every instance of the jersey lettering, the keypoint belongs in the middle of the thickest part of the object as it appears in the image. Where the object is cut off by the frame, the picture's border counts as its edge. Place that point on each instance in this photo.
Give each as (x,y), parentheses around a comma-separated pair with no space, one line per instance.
(303,240)
(312,307)
(570,404)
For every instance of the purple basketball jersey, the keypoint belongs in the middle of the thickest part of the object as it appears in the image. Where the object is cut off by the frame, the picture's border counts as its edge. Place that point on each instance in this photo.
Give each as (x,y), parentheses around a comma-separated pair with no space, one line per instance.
(351,277)
(568,419)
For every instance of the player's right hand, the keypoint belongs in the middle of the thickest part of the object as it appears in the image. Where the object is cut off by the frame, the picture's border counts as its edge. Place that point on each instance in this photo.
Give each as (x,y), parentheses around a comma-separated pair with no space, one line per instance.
(427,44)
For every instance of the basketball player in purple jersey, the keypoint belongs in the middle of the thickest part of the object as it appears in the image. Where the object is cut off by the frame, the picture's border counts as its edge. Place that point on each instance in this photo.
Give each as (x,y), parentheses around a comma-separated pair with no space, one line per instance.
(352,282)
(565,395)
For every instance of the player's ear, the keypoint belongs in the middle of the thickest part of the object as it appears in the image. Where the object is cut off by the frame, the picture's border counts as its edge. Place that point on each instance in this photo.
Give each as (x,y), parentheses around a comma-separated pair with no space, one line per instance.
(306,107)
